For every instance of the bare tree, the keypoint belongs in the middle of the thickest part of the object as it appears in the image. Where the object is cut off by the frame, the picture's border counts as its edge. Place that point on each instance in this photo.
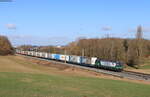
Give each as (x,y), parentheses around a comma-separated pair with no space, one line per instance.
(139,33)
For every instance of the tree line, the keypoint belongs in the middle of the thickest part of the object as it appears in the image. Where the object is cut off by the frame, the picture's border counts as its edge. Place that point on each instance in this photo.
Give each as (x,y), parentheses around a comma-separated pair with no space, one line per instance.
(129,51)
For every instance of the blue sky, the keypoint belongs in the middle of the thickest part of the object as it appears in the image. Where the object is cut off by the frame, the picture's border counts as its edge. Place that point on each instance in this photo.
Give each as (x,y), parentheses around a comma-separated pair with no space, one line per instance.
(58,22)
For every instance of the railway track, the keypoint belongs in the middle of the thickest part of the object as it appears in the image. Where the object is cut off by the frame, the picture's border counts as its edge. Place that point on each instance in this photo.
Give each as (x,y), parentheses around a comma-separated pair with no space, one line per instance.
(123,74)
(141,75)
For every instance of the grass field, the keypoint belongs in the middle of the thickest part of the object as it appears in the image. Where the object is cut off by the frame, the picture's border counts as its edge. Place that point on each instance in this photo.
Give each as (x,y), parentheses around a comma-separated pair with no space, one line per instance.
(21,78)
(145,67)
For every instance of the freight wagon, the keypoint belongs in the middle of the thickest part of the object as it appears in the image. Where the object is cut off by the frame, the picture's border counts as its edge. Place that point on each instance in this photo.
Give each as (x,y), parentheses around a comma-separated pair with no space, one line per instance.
(64,58)
(85,61)
(75,59)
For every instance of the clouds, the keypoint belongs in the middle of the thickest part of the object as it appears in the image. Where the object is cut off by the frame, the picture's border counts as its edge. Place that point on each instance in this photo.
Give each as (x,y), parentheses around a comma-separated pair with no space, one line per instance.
(11,26)
(38,40)
(106,28)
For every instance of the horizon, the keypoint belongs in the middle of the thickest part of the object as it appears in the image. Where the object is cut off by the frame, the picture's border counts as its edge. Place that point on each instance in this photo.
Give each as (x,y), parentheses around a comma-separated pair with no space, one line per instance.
(61,22)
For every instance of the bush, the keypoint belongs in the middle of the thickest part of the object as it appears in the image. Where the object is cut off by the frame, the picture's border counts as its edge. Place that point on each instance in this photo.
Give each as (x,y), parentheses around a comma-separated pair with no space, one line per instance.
(5,46)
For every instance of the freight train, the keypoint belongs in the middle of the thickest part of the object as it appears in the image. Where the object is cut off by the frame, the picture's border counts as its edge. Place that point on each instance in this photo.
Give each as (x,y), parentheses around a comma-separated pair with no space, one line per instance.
(78,60)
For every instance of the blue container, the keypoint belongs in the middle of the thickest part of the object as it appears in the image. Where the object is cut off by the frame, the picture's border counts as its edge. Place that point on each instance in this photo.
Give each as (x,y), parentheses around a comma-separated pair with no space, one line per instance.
(57,56)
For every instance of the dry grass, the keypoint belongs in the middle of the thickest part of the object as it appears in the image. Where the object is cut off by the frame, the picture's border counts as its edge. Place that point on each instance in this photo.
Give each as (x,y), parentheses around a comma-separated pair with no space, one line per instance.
(15,64)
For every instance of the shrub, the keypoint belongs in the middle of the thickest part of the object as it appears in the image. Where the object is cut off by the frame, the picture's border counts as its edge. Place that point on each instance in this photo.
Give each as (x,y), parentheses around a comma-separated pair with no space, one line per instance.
(5,46)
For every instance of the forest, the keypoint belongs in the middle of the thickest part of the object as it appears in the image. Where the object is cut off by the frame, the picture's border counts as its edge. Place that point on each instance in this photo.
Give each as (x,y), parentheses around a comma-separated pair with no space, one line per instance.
(129,51)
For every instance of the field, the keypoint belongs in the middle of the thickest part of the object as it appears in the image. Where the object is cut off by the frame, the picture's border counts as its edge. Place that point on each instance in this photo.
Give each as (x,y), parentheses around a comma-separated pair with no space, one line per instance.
(143,68)
(146,64)
(21,77)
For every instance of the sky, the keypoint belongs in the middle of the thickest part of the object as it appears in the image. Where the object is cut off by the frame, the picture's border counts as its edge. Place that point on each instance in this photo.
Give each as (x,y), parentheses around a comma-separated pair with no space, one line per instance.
(58,22)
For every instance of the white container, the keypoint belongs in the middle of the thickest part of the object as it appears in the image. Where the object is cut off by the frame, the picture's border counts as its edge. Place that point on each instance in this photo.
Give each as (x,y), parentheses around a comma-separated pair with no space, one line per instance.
(53,56)
(32,53)
(67,58)
(36,54)
(86,60)
(62,57)
(49,56)
(46,55)
(40,54)
(93,60)
(28,53)
(75,59)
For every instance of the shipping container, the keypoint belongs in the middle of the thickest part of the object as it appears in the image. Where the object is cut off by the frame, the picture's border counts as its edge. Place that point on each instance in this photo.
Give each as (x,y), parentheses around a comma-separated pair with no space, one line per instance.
(75,59)
(67,58)
(93,60)
(49,56)
(43,55)
(28,53)
(53,56)
(46,55)
(31,53)
(56,56)
(34,53)
(64,57)
(38,54)
(23,52)
(85,60)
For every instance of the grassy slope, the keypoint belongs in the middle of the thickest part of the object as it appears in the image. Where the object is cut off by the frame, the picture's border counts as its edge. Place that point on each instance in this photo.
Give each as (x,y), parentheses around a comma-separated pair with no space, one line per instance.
(144,67)
(146,64)
(24,79)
